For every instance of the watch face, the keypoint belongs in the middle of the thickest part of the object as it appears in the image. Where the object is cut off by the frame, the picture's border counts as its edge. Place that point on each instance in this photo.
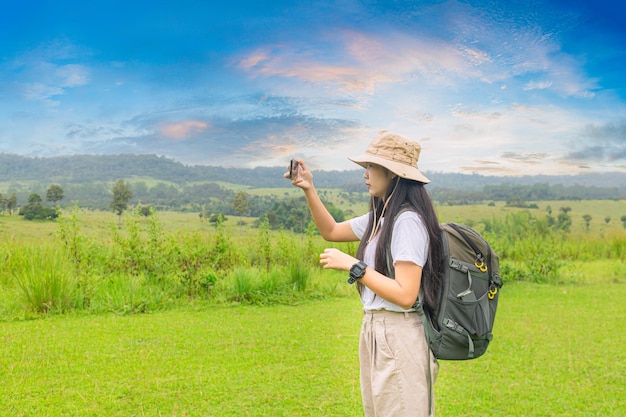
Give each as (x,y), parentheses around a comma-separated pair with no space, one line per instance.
(358,270)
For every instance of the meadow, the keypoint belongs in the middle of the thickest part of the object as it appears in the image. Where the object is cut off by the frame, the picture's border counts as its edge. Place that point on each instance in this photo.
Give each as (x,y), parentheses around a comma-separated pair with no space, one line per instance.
(174,316)
(557,351)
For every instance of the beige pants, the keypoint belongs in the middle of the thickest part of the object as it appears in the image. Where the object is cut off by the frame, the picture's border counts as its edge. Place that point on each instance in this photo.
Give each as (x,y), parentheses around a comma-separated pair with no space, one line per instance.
(394,360)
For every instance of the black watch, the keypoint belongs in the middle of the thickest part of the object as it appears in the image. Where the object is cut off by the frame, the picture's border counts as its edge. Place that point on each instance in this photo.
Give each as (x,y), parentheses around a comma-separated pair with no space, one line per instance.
(357,271)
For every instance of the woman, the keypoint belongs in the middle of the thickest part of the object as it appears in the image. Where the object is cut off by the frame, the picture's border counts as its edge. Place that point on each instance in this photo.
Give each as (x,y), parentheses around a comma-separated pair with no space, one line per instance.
(400,244)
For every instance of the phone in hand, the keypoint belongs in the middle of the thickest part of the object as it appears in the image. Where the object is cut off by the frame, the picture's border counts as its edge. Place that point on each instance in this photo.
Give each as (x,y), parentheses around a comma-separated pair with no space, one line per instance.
(293,169)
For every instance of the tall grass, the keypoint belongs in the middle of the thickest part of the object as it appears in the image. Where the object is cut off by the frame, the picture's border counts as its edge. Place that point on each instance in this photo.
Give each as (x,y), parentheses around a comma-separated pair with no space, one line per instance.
(530,249)
(299,274)
(147,265)
(44,280)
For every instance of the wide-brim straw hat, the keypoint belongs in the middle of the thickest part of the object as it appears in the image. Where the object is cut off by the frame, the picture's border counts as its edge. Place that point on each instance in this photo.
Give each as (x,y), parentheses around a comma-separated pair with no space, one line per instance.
(394,152)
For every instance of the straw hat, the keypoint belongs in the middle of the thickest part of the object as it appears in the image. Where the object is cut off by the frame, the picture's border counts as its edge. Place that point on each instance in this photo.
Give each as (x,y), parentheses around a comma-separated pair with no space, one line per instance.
(394,152)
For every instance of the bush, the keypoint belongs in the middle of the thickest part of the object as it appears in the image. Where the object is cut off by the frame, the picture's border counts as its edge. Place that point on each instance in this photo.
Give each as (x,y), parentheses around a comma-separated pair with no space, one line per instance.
(36,211)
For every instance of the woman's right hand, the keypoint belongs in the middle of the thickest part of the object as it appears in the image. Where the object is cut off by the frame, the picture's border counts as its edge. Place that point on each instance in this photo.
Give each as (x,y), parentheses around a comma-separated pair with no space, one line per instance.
(302,177)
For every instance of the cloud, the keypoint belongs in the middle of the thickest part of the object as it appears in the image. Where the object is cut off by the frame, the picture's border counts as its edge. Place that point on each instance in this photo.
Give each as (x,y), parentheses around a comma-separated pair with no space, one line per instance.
(537,85)
(601,143)
(71,75)
(182,130)
(488,168)
(82,132)
(526,158)
(359,61)
(42,92)
(47,72)
(476,45)
(460,112)
(274,133)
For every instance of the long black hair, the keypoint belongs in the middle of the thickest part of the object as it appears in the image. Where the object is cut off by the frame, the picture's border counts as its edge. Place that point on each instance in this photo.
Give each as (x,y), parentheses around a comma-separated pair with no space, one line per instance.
(411,194)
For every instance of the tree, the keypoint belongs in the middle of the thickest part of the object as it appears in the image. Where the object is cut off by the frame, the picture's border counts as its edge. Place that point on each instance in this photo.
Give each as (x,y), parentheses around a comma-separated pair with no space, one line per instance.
(241,204)
(34,198)
(587,218)
(121,195)
(54,193)
(564,221)
(12,203)
(144,209)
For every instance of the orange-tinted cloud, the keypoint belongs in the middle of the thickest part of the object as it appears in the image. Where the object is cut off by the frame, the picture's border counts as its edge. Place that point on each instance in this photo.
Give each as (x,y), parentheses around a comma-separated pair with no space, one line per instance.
(182,130)
(367,61)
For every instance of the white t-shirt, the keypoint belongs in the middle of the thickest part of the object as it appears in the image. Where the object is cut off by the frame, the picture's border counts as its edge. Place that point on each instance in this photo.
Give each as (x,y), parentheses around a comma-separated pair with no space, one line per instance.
(409,242)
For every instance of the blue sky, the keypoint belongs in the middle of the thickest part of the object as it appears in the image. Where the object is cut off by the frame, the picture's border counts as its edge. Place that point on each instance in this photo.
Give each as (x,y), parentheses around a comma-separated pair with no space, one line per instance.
(488,87)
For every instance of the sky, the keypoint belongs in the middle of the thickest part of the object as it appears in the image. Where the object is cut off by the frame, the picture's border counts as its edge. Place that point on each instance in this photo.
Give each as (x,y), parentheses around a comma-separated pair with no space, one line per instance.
(487,87)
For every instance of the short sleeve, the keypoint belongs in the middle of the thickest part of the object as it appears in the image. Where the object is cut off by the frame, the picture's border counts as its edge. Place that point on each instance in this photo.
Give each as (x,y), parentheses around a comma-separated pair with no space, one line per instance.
(409,240)
(359,225)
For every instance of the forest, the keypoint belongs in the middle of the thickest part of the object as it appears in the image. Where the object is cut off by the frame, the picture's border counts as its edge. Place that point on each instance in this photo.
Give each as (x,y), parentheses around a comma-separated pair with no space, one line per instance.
(163,184)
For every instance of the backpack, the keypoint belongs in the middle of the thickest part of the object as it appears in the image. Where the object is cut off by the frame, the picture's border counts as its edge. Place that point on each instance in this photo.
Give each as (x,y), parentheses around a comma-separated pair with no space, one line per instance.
(461,326)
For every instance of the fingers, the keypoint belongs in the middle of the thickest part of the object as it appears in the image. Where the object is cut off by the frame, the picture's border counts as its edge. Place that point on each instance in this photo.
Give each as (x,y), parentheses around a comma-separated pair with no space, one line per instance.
(333,258)
(294,171)
(325,258)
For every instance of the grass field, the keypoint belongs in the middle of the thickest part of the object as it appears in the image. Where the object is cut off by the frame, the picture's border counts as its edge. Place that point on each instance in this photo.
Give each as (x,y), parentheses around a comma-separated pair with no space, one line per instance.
(557,351)
(94,223)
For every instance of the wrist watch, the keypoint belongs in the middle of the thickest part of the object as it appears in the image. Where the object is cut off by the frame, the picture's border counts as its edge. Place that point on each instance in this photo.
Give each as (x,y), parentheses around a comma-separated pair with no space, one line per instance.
(357,271)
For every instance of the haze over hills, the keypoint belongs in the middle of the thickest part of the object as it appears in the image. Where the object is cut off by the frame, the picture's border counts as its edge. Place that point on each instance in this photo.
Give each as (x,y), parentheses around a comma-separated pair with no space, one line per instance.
(89,168)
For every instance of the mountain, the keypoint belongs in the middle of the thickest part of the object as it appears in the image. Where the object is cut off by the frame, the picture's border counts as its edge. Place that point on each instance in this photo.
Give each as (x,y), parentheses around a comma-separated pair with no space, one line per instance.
(98,168)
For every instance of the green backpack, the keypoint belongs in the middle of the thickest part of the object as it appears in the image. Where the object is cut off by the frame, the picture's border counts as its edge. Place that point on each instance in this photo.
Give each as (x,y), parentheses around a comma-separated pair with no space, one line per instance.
(461,326)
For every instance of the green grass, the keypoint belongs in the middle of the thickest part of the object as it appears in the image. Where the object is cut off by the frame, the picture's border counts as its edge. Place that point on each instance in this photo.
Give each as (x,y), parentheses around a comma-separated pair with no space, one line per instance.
(558,351)
(599,210)
(96,223)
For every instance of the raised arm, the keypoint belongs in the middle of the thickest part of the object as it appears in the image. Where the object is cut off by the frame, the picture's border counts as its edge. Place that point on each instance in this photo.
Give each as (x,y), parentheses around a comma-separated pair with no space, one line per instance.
(324,221)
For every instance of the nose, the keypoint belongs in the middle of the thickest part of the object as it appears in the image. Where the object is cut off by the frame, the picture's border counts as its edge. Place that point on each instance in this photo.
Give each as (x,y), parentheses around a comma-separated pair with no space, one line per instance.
(366,174)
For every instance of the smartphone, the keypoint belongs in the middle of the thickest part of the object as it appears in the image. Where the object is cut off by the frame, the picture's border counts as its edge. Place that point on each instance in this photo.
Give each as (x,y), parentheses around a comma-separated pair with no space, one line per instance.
(293,168)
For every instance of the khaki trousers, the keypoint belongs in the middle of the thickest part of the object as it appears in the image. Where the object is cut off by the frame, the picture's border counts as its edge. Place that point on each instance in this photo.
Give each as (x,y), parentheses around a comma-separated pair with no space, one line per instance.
(394,359)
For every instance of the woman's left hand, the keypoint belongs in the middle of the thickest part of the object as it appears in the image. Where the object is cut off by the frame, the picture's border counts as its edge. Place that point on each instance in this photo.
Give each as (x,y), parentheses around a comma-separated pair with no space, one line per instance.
(333,258)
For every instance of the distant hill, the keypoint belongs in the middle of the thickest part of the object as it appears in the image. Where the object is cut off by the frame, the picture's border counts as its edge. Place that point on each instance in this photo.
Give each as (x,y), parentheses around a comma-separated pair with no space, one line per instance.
(98,168)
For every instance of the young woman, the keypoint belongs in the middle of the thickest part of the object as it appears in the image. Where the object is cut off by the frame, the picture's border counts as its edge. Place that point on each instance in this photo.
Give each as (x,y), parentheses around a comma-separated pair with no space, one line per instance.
(400,245)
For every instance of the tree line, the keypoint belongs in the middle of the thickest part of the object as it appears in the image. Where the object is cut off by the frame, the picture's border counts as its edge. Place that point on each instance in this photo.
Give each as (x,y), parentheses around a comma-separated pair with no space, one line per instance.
(213,197)
(83,169)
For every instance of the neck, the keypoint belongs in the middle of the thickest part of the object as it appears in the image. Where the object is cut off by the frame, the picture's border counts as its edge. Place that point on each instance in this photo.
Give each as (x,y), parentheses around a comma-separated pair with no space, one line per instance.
(378,221)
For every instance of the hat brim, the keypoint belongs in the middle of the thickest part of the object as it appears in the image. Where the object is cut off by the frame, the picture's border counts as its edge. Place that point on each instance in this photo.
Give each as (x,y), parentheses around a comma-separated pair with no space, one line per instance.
(400,169)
